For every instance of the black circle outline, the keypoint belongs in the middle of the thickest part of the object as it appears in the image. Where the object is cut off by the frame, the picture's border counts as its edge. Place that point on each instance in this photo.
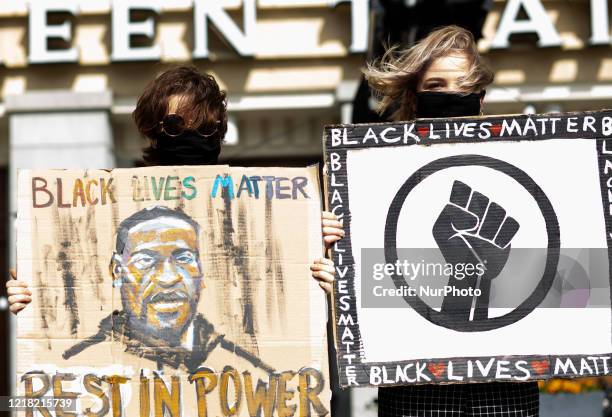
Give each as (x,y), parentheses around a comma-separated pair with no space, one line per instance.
(552,230)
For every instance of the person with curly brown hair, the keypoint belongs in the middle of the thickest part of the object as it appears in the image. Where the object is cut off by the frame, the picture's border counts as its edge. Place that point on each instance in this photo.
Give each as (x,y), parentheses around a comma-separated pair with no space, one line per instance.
(183,115)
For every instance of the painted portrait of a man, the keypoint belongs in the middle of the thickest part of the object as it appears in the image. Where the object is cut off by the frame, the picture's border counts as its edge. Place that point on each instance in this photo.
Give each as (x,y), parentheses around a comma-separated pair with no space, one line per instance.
(156,266)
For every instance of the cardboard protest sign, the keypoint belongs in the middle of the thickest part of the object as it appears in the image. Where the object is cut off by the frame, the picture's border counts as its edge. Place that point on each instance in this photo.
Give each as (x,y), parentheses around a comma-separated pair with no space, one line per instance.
(476,249)
(169,291)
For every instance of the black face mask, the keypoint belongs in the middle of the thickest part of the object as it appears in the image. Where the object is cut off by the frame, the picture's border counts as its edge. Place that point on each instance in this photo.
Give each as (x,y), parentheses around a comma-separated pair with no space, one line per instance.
(443,104)
(187,149)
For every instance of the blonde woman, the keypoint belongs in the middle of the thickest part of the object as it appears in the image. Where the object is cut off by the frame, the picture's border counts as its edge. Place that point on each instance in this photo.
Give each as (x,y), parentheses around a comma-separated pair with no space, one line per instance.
(442,76)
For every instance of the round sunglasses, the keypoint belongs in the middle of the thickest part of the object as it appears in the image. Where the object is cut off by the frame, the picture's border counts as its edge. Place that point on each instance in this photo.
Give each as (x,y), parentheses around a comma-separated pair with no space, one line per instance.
(174,125)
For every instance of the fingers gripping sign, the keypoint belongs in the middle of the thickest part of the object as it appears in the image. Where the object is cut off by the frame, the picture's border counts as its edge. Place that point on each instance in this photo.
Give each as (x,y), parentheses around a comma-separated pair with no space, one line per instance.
(471,229)
(19,295)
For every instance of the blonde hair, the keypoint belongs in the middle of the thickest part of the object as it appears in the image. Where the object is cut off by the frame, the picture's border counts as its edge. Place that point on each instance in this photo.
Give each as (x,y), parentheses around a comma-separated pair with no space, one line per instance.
(394,78)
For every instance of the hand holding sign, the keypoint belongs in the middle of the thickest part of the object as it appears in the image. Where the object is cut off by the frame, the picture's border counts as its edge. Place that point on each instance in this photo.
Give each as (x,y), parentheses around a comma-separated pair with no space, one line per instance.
(473,230)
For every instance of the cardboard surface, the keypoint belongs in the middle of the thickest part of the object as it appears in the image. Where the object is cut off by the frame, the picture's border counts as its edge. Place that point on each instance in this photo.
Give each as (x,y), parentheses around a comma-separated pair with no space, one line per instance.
(525,197)
(173,291)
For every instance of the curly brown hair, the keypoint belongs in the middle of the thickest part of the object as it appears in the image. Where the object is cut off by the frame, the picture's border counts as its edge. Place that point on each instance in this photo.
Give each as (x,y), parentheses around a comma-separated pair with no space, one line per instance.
(395,77)
(200,103)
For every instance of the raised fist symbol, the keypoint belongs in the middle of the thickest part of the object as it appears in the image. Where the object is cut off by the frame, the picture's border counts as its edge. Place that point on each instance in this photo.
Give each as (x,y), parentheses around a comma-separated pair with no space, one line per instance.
(471,229)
